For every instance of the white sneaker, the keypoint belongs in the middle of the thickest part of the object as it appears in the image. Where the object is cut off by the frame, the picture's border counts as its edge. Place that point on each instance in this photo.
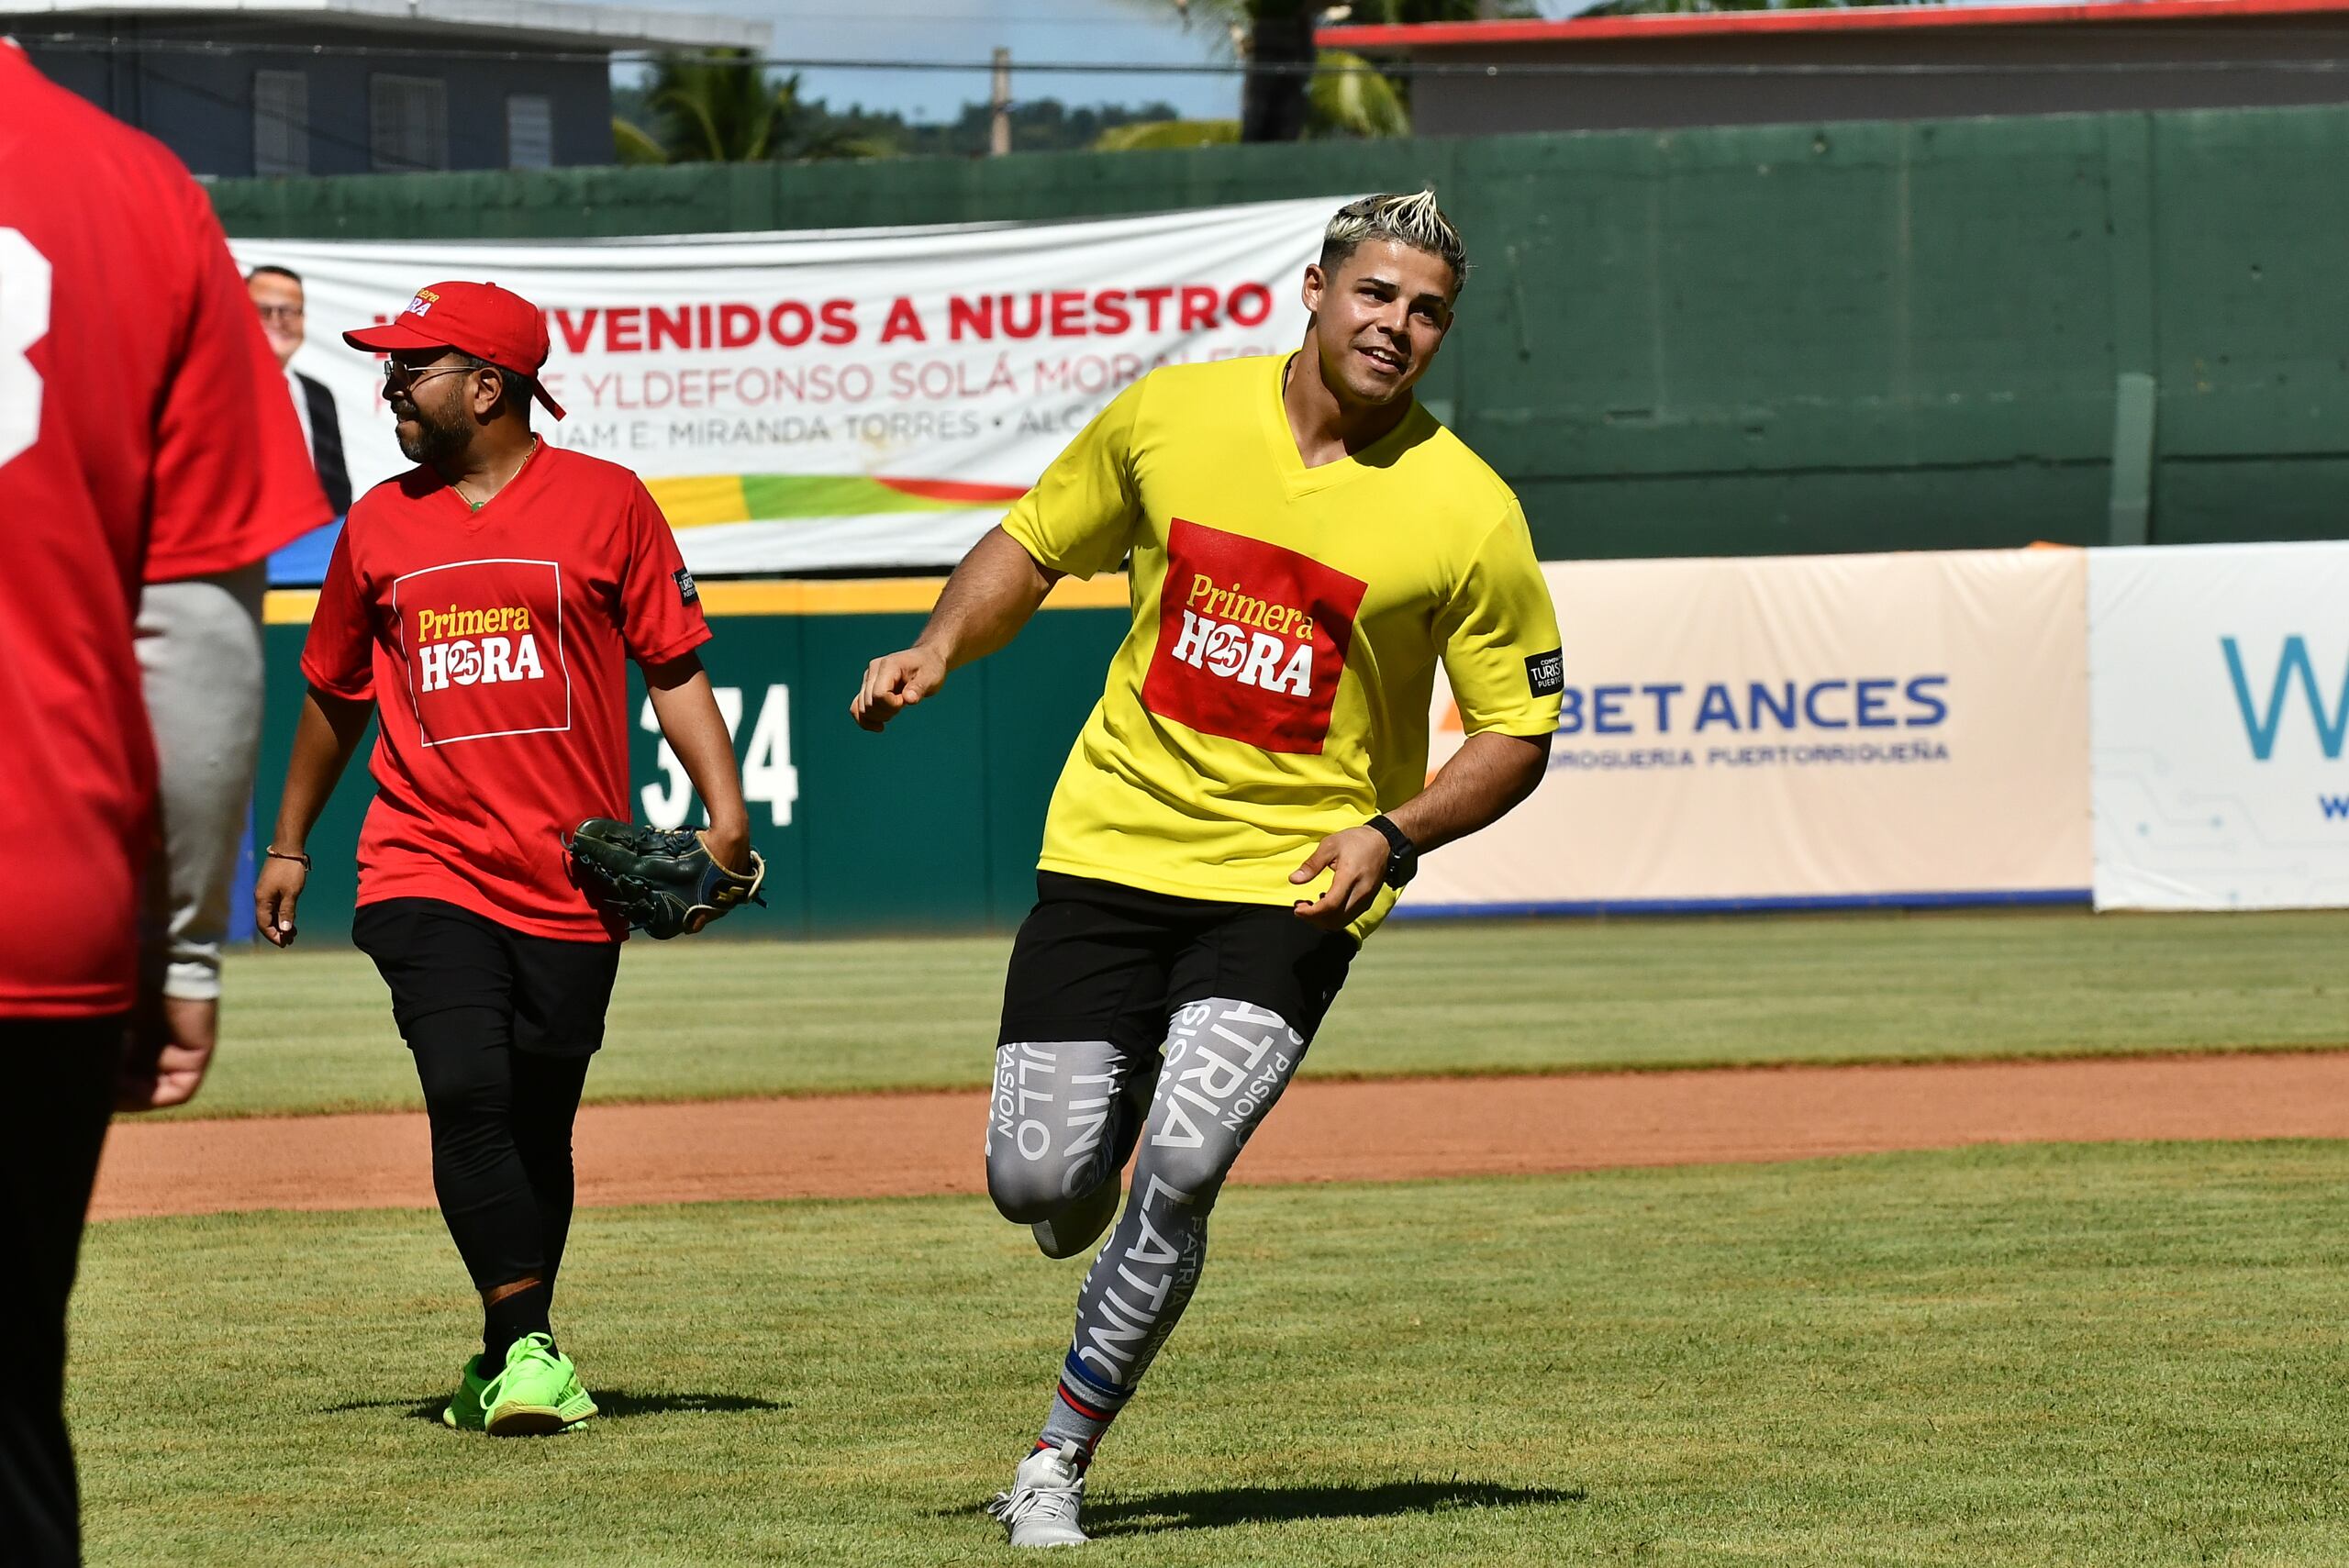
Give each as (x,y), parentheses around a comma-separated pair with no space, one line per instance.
(1041,1507)
(1077,1227)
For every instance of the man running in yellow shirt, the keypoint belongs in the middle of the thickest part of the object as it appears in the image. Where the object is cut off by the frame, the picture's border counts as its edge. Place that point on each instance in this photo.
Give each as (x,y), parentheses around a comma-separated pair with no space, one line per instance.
(1251,794)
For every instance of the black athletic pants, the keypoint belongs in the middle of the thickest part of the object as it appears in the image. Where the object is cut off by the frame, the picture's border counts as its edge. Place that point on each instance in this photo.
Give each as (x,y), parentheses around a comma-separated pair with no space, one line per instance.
(61,1075)
(502,1026)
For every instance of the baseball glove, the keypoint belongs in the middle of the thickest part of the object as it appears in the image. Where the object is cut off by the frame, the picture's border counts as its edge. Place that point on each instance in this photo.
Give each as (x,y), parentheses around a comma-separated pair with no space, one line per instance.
(665,884)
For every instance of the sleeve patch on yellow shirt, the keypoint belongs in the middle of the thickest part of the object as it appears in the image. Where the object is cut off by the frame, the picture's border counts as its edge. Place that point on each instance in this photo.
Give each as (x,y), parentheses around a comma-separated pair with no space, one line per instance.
(1546,672)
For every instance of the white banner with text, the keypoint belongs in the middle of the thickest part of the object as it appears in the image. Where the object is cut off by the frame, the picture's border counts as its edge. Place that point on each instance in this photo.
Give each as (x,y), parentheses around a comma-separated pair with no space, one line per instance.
(2219,675)
(832,399)
(1802,731)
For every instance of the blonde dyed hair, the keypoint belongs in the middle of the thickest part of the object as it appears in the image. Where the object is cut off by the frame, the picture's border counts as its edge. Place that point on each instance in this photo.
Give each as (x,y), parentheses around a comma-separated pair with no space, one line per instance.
(1409,219)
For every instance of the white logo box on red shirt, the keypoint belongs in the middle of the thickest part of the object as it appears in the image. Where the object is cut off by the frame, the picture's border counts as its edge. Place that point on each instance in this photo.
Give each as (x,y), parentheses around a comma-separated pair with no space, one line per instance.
(481,643)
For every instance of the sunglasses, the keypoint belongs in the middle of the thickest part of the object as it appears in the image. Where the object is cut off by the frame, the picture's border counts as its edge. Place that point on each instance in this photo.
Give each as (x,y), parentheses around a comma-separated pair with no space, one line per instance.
(399,375)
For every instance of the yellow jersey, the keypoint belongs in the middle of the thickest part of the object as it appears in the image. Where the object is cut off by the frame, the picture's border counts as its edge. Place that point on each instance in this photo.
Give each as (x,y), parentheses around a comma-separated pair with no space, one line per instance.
(1275,683)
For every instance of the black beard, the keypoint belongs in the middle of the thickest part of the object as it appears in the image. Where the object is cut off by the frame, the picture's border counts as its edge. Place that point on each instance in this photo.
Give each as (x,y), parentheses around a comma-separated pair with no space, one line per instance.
(436,444)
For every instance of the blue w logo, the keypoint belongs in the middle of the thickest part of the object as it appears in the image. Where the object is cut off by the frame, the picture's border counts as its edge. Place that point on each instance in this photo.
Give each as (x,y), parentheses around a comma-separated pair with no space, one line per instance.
(2331,727)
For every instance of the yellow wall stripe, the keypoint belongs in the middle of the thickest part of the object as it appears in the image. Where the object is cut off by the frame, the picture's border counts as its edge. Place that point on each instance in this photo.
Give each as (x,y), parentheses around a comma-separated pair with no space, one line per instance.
(289,607)
(701,499)
(797,596)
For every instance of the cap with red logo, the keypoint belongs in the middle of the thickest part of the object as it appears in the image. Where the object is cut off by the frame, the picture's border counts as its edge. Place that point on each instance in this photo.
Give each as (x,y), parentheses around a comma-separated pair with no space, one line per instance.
(481,319)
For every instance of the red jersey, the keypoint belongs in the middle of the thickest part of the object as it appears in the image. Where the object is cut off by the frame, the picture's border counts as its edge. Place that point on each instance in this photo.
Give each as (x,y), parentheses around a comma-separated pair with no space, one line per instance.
(145,434)
(490,643)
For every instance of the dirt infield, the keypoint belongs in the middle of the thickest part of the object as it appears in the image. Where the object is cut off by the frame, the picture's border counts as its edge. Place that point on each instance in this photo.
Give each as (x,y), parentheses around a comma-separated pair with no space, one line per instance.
(899,1145)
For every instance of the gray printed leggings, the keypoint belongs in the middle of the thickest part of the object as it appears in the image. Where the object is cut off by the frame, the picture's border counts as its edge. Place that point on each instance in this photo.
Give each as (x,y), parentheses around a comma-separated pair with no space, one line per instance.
(1064,1113)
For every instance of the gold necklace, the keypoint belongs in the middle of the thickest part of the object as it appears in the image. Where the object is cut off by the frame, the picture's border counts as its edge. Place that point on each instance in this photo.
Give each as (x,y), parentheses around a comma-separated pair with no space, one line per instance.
(459,485)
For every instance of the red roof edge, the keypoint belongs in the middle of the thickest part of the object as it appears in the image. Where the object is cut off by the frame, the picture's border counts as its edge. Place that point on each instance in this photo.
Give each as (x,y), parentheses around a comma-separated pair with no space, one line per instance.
(1864,18)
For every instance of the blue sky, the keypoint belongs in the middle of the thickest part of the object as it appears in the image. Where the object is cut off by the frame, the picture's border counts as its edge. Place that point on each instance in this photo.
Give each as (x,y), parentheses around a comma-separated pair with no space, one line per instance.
(1111,33)
(1105,32)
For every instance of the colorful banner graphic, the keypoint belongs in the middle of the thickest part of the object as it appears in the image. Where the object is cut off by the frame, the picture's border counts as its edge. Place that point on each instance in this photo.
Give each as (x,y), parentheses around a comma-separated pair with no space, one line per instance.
(834,398)
(2219,675)
(1800,732)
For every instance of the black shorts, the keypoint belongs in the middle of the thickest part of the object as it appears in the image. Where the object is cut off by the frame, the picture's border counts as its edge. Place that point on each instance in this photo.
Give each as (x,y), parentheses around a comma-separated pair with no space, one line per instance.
(1099,961)
(436,956)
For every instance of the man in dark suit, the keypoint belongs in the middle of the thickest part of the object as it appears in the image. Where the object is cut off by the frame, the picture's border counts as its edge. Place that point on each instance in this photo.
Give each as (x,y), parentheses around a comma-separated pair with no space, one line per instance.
(277,296)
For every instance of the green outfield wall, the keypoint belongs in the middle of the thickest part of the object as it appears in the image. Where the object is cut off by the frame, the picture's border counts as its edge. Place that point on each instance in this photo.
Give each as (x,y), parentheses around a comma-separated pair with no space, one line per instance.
(933,824)
(1757,340)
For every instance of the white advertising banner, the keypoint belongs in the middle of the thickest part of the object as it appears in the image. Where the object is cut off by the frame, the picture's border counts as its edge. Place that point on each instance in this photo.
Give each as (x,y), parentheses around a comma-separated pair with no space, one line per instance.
(1800,732)
(2219,675)
(829,399)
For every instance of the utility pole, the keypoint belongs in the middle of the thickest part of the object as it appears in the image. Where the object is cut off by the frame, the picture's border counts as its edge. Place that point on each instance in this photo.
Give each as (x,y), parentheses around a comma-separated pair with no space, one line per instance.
(999,127)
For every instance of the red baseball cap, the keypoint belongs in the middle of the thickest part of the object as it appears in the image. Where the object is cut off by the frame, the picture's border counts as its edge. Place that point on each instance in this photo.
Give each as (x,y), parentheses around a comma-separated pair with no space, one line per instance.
(481,319)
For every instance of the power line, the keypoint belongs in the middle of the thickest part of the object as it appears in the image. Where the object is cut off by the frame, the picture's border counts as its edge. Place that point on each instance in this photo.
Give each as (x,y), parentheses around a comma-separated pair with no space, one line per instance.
(310,128)
(2290,66)
(2322,66)
(1026,19)
(1168,21)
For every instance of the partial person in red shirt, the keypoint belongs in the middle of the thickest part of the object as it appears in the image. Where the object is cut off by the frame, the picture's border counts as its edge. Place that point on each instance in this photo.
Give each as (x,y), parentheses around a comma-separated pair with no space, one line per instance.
(146,451)
(482,605)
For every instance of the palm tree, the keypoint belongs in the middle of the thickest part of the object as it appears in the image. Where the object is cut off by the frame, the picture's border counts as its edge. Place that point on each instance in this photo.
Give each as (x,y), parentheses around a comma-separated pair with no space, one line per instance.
(719,107)
(1152,136)
(634,144)
(1281,101)
(716,107)
(1347,96)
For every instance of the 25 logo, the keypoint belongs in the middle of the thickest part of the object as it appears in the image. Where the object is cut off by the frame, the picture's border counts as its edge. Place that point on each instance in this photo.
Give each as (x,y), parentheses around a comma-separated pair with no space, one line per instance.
(1252,638)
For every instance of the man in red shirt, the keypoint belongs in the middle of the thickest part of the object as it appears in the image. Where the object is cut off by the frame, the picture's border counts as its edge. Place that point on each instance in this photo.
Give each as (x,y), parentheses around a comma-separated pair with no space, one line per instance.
(145,442)
(482,603)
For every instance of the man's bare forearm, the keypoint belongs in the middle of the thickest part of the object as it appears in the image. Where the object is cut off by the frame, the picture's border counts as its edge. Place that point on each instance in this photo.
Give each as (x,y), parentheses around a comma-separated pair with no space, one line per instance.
(1488,776)
(687,712)
(325,738)
(990,596)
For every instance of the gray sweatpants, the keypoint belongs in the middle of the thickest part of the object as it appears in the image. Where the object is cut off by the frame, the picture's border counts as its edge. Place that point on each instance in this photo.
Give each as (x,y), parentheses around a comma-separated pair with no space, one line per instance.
(1053,1136)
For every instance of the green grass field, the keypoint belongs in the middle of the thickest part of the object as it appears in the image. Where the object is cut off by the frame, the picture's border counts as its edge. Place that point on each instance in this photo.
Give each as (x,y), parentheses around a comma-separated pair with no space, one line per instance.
(311,1029)
(2076,1356)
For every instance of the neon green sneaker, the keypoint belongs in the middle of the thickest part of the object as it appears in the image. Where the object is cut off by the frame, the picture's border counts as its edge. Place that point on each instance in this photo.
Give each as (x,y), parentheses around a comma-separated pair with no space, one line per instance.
(538,1390)
(464,1413)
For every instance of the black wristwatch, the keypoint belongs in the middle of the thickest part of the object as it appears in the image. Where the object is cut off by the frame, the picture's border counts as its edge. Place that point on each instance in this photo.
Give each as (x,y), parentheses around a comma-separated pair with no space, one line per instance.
(1402,855)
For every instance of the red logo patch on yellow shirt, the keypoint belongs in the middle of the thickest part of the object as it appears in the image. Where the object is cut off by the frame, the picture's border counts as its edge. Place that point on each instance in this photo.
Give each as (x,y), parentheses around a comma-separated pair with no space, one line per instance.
(1252,640)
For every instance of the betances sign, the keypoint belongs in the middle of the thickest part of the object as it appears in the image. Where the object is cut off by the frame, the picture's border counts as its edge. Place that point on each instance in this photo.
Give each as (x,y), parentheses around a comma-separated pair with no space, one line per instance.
(1799,731)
